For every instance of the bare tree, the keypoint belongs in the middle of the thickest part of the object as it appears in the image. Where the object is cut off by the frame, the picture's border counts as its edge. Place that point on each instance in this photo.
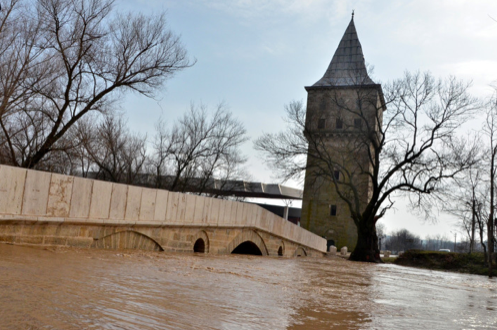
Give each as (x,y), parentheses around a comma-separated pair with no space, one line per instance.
(75,58)
(110,152)
(160,154)
(411,151)
(380,229)
(467,197)
(22,60)
(437,242)
(381,233)
(403,240)
(490,130)
(198,149)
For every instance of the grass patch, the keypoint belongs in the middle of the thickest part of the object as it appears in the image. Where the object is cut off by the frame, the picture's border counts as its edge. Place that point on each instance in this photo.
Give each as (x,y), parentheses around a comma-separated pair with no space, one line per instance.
(455,262)
(390,260)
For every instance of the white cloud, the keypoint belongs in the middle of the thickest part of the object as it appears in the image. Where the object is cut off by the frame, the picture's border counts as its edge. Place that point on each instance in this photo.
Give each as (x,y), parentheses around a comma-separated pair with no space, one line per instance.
(483,74)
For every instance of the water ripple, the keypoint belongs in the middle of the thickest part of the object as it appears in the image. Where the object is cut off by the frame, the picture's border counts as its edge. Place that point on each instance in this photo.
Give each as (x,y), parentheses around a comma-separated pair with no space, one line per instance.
(94,289)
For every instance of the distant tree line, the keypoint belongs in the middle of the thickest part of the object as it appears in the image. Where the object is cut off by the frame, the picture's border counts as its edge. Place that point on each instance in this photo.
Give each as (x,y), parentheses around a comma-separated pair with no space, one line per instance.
(403,240)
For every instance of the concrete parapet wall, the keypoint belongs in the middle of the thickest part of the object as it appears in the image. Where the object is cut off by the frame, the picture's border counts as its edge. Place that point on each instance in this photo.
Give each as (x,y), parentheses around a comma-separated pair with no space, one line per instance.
(28,196)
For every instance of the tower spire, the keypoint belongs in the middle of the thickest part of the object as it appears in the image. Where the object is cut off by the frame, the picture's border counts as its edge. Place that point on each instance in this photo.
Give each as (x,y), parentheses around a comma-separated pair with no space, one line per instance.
(347,68)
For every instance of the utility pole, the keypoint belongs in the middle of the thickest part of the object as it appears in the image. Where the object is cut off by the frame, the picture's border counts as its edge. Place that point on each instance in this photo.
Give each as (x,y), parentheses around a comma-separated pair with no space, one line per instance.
(455,239)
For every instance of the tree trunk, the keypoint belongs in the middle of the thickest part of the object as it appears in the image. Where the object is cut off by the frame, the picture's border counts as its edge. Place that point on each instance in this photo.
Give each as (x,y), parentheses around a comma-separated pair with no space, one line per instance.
(480,228)
(473,226)
(367,245)
(490,232)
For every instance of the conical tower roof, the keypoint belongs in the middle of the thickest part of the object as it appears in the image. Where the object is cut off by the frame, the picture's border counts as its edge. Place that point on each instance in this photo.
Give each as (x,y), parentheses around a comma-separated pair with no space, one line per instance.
(347,68)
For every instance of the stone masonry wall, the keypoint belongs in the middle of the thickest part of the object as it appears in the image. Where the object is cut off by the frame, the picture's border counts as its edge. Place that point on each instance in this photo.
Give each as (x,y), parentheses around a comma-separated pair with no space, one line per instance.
(341,145)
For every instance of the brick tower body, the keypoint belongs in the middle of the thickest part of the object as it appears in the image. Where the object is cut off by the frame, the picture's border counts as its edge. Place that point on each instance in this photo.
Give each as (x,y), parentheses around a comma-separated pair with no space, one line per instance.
(341,107)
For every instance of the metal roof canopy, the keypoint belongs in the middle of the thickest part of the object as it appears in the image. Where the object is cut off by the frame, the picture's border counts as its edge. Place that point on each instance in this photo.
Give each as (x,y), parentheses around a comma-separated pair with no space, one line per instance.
(237,188)
(254,190)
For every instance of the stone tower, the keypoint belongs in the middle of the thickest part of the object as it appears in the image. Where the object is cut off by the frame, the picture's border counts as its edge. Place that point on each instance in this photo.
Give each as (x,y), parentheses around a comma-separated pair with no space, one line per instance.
(341,107)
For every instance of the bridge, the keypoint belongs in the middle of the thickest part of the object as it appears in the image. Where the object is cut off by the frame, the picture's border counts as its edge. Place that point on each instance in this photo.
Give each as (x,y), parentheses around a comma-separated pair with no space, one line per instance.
(48,209)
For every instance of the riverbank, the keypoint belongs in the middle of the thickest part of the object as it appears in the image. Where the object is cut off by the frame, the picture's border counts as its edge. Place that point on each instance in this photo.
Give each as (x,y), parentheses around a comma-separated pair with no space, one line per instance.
(447,261)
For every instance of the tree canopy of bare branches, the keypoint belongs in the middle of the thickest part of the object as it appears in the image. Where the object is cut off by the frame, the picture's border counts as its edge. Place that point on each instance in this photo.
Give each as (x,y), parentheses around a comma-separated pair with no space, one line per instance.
(403,240)
(109,151)
(63,59)
(467,200)
(200,147)
(408,149)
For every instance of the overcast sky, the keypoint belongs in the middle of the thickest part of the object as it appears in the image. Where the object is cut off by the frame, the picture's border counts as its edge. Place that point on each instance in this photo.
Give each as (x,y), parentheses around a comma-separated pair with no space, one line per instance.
(257,56)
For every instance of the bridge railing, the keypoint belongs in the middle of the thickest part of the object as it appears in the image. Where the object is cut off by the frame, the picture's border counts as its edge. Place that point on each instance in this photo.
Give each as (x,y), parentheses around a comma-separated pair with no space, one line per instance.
(30,195)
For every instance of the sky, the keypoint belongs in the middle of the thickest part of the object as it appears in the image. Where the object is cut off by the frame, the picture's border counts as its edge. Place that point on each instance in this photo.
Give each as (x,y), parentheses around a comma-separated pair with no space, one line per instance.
(256,56)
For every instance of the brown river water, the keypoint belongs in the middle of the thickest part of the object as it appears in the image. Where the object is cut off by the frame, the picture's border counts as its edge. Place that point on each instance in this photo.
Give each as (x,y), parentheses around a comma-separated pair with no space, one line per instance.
(101,289)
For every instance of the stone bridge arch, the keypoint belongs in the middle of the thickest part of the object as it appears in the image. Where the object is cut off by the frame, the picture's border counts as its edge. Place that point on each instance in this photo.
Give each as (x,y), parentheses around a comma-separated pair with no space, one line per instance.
(300,252)
(248,236)
(200,242)
(127,240)
(281,249)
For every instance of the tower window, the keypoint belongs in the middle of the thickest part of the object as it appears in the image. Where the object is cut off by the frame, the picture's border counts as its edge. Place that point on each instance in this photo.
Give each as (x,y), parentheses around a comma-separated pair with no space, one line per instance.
(358,123)
(321,123)
(336,174)
(339,123)
(333,210)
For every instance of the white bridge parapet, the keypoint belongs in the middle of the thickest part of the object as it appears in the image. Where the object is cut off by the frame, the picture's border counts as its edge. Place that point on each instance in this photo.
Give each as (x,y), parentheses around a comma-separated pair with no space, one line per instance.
(42,197)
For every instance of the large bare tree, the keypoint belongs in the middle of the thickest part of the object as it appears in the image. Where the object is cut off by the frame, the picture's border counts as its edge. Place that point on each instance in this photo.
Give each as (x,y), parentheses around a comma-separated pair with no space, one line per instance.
(410,149)
(467,200)
(63,59)
(468,205)
(201,147)
(21,54)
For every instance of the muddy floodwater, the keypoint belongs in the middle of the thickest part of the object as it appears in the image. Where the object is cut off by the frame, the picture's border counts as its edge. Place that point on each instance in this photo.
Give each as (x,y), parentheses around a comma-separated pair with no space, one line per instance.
(96,289)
